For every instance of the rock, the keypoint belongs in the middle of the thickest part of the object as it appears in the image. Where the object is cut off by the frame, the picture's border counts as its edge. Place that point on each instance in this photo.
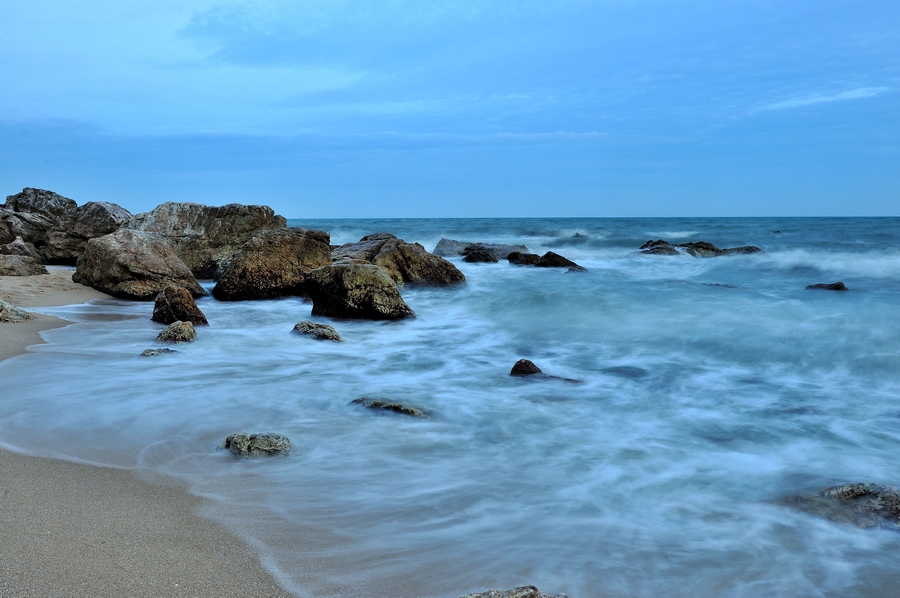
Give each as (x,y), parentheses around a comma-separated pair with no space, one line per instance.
(355,291)
(411,263)
(175,304)
(31,214)
(479,256)
(864,505)
(320,332)
(178,332)
(524,367)
(389,405)
(207,238)
(696,249)
(554,260)
(274,263)
(742,250)
(833,286)
(449,247)
(20,247)
(520,592)
(133,264)
(364,250)
(659,247)
(258,445)
(11,314)
(69,236)
(523,259)
(155,352)
(20,265)
(40,201)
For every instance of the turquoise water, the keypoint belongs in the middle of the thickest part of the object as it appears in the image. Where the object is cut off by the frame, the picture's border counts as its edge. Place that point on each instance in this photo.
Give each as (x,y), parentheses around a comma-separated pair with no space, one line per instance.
(712,388)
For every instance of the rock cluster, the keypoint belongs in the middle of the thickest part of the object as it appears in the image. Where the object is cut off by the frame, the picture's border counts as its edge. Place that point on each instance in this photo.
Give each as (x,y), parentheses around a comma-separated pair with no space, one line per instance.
(258,445)
(696,249)
(9,313)
(319,332)
(175,304)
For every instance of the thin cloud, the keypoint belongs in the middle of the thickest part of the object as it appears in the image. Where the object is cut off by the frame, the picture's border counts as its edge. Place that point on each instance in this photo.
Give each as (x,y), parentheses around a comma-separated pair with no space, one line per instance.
(818,98)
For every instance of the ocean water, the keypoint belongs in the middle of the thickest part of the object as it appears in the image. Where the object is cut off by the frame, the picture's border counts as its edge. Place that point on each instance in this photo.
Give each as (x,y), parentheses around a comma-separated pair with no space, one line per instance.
(711,390)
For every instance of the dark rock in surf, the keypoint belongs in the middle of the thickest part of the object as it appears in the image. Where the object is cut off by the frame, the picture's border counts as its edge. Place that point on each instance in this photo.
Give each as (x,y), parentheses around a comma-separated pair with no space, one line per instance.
(479,256)
(658,247)
(523,259)
(392,406)
(174,304)
(20,265)
(833,286)
(178,332)
(355,291)
(554,260)
(10,314)
(520,592)
(411,263)
(258,445)
(696,249)
(449,248)
(524,367)
(274,263)
(319,332)
(20,247)
(155,352)
(863,505)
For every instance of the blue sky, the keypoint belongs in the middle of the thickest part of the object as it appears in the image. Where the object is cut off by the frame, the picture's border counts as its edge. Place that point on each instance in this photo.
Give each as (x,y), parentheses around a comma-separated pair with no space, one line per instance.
(401,108)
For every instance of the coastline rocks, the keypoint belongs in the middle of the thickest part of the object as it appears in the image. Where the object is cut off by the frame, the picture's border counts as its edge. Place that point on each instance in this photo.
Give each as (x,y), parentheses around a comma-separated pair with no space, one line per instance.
(273,263)
(480,256)
(403,262)
(520,592)
(178,332)
(526,368)
(833,286)
(175,304)
(20,265)
(30,214)
(355,291)
(554,260)
(68,238)
(207,238)
(696,249)
(523,259)
(258,445)
(133,265)
(449,247)
(389,405)
(155,352)
(319,332)
(863,505)
(20,247)
(10,314)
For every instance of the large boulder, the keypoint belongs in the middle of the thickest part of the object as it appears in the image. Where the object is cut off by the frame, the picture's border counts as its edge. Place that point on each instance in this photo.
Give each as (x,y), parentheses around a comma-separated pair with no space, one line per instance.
(355,291)
(864,505)
(9,313)
(175,304)
(69,236)
(133,265)
(274,263)
(520,592)
(178,332)
(207,238)
(258,445)
(411,263)
(40,201)
(20,247)
(31,214)
(20,265)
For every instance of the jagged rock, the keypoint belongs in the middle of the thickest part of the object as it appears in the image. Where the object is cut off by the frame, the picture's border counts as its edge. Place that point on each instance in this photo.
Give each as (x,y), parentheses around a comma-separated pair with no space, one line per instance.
(524,367)
(864,505)
(696,249)
(520,592)
(274,263)
(175,304)
(40,201)
(69,236)
(554,260)
(363,250)
(133,264)
(411,263)
(31,214)
(178,332)
(11,314)
(449,247)
(207,238)
(155,352)
(833,286)
(320,332)
(258,445)
(389,405)
(20,247)
(355,291)
(480,256)
(523,259)
(20,265)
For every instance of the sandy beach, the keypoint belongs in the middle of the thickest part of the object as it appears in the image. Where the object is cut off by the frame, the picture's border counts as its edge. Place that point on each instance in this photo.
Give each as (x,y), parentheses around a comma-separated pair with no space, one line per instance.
(70,529)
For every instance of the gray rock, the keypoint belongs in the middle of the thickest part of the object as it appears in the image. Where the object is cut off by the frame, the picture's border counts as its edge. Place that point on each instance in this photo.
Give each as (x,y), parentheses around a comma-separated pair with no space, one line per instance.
(389,405)
(11,314)
(133,265)
(155,352)
(411,263)
(320,332)
(207,238)
(175,304)
(833,286)
(67,239)
(40,201)
(274,263)
(363,250)
(520,592)
(178,332)
(258,445)
(20,247)
(863,505)
(355,291)
(20,265)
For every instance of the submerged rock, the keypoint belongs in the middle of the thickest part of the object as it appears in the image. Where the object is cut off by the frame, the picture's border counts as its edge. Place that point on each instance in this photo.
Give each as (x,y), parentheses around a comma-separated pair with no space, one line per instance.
(389,405)
(863,505)
(175,304)
(520,592)
(832,286)
(554,260)
(155,352)
(11,314)
(355,291)
(178,332)
(480,256)
(320,332)
(258,445)
(20,265)
(694,248)
(526,367)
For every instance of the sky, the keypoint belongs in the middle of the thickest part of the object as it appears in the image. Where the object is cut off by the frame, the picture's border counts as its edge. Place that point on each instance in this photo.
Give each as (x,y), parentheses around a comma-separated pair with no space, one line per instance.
(417,108)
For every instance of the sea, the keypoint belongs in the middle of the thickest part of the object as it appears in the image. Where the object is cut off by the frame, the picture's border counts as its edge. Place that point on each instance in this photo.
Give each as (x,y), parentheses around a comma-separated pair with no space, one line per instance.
(711,391)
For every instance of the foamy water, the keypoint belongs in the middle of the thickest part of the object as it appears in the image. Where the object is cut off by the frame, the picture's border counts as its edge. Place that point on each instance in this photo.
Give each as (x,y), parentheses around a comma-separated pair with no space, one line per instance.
(711,389)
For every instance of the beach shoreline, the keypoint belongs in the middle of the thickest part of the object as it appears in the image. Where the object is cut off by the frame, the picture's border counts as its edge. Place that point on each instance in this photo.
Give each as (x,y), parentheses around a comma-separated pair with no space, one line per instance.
(74,529)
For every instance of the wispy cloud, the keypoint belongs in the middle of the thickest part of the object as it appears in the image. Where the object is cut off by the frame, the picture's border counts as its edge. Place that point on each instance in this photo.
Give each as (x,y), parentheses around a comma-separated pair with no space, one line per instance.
(820,98)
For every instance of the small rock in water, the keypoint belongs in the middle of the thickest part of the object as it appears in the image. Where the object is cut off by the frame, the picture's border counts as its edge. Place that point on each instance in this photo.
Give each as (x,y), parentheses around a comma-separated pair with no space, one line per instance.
(258,445)
(863,505)
(833,286)
(154,352)
(178,332)
(480,256)
(175,304)
(520,592)
(524,367)
(554,260)
(320,332)
(9,313)
(389,405)
(523,259)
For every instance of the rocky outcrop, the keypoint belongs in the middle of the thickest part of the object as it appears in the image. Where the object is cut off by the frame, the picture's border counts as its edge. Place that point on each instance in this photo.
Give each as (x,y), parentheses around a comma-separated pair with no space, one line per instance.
(20,265)
(207,238)
(20,247)
(696,249)
(355,291)
(319,332)
(480,256)
(526,368)
(554,260)
(520,592)
(449,248)
(11,314)
(392,406)
(864,505)
(178,332)
(31,214)
(258,445)
(274,263)
(405,263)
(132,264)
(832,286)
(363,250)
(69,236)
(523,259)
(155,352)
(175,304)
